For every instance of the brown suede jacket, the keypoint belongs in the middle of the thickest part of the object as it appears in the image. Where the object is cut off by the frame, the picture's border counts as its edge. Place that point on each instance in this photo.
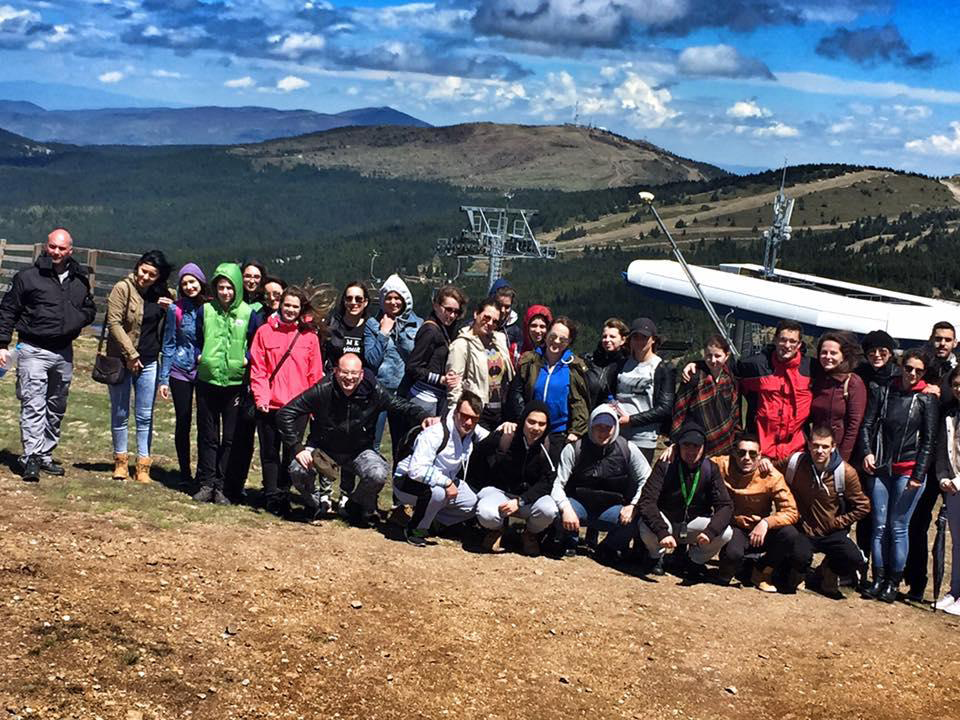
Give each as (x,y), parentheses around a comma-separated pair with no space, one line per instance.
(754,494)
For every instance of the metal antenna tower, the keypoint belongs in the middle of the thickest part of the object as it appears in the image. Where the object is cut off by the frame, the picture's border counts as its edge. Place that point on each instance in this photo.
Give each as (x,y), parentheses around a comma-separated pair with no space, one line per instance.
(496,234)
(780,231)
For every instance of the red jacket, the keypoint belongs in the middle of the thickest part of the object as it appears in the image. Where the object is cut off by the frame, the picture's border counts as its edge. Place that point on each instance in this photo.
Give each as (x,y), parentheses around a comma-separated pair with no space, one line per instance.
(840,405)
(778,397)
(301,370)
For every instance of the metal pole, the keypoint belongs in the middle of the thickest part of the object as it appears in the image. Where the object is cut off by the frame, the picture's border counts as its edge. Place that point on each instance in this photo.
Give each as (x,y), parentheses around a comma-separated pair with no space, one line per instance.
(718,323)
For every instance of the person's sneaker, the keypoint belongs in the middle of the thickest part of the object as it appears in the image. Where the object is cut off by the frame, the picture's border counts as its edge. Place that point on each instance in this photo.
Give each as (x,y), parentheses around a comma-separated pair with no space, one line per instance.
(342,504)
(944,602)
(31,470)
(529,544)
(324,506)
(204,495)
(591,537)
(657,568)
(417,538)
(953,609)
(220,499)
(914,594)
(606,555)
(52,467)
(829,585)
(761,580)
(493,542)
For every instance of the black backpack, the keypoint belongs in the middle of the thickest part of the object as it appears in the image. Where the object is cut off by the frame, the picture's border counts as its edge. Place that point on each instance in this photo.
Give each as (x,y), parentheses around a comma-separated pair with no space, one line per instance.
(409,439)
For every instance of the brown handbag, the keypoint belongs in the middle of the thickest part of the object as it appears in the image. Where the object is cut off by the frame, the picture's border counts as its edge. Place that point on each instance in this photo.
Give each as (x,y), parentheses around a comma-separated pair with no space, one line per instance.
(107,370)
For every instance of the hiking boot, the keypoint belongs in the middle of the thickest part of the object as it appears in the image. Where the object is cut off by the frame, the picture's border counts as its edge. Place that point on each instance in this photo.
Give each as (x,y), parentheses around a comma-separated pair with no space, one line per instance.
(761,579)
(889,592)
(31,470)
(829,585)
(417,538)
(914,592)
(219,498)
(656,567)
(872,590)
(143,470)
(529,544)
(121,467)
(592,537)
(493,542)
(51,467)
(204,495)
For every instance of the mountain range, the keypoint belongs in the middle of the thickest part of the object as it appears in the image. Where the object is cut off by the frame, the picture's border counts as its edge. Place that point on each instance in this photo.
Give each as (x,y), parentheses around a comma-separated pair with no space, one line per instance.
(182,126)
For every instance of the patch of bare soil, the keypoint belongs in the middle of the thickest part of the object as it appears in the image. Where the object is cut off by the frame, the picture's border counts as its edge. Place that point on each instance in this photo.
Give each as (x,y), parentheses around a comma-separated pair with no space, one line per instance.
(107,618)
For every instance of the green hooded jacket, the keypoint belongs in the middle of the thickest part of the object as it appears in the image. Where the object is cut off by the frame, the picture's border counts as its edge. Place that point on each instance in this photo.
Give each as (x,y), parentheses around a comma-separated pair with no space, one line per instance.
(223,354)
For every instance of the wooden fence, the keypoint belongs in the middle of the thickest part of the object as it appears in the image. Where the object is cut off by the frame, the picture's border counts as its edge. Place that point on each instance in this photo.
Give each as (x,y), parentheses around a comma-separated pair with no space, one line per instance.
(105,267)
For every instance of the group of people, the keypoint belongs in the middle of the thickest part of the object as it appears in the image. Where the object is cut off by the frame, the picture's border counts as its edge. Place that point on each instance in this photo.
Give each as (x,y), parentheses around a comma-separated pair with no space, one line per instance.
(764,461)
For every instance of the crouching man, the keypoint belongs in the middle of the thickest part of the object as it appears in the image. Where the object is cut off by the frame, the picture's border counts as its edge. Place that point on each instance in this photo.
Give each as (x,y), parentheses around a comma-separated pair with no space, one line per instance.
(598,484)
(755,527)
(829,500)
(685,503)
(517,475)
(344,406)
(433,478)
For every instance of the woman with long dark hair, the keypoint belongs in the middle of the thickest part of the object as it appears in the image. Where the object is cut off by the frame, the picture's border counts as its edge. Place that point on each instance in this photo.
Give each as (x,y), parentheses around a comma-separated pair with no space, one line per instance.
(710,397)
(839,395)
(346,324)
(136,308)
(178,365)
(897,437)
(948,475)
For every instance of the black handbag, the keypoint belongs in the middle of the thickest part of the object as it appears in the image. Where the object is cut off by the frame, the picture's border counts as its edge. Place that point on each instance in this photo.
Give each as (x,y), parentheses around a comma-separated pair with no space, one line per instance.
(108,370)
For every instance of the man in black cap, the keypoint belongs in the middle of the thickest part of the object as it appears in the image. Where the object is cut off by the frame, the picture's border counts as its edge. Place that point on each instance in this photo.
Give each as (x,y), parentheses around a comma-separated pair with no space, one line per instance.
(641,387)
(685,507)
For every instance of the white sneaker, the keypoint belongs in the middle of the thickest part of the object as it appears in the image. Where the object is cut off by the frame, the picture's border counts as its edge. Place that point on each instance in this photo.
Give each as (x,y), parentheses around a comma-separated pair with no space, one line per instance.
(323,505)
(945,602)
(953,609)
(342,505)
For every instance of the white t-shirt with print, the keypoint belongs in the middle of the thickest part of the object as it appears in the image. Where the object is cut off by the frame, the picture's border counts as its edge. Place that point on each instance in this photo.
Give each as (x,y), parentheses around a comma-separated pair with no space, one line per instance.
(635,395)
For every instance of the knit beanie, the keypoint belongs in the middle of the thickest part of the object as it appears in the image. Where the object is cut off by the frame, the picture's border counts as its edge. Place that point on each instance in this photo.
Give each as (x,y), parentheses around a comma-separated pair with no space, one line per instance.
(878,339)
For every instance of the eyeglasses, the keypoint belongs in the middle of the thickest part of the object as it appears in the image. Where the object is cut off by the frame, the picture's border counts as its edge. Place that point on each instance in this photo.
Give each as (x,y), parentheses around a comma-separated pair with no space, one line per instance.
(754,454)
(451,310)
(355,299)
(350,374)
(913,369)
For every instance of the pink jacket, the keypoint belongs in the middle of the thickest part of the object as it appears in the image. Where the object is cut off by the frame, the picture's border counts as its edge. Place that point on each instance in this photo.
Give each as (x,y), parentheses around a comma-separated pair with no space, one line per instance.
(302,369)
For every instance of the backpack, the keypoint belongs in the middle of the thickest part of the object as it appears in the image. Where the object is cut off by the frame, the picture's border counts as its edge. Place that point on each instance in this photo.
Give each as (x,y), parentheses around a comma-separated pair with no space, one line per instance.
(409,439)
(839,478)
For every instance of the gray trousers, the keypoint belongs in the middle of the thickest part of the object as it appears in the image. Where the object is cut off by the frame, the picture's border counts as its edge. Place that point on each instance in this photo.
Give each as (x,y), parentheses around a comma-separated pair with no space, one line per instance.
(370,467)
(43,381)
(698,553)
(539,515)
(440,508)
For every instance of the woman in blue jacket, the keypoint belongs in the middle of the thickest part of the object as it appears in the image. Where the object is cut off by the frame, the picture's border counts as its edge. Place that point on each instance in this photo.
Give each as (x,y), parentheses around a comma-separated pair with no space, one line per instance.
(178,367)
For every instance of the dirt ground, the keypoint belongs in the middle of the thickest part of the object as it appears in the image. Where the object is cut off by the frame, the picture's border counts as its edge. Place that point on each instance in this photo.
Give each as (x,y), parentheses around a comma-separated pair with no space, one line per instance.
(106,616)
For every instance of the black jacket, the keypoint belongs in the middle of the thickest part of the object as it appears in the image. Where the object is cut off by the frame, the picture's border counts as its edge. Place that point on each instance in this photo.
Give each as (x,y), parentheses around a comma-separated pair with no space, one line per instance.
(662,494)
(520,470)
(597,362)
(942,465)
(342,426)
(427,362)
(664,391)
(900,426)
(44,312)
(342,338)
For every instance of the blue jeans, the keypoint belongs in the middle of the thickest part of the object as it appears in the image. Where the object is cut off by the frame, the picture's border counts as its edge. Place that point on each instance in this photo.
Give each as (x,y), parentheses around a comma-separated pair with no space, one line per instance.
(608,521)
(144,388)
(893,504)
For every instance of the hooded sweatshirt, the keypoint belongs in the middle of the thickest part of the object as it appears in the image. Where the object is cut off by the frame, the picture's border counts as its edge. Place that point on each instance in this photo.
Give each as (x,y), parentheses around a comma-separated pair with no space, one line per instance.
(225,333)
(532,312)
(387,354)
(302,368)
(588,470)
(180,350)
(511,328)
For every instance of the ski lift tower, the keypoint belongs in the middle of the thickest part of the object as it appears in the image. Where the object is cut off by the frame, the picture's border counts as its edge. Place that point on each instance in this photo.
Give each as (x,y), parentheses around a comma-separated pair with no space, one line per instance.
(780,231)
(496,234)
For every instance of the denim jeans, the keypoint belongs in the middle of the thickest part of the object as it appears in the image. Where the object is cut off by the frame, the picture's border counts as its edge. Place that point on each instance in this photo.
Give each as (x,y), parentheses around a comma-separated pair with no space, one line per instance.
(893,504)
(144,387)
(608,521)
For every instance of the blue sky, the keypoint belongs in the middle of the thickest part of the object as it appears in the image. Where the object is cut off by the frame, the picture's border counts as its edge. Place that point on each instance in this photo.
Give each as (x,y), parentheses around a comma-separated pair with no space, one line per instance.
(747,82)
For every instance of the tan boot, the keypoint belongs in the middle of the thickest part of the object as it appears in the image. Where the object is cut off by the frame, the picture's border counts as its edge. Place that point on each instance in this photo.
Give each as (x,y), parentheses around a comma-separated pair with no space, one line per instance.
(760,579)
(492,541)
(143,470)
(121,467)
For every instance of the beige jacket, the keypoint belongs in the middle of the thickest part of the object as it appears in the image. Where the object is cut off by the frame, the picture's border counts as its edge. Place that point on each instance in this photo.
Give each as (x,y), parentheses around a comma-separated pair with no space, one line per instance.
(124,318)
(468,357)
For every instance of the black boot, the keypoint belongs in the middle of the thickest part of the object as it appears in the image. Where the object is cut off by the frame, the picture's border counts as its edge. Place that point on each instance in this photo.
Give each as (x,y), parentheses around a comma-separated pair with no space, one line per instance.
(890,588)
(872,590)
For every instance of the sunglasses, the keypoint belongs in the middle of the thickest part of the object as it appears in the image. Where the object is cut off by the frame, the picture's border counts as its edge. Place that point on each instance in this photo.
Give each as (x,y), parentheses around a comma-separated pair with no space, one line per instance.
(451,310)
(754,454)
(913,370)
(355,299)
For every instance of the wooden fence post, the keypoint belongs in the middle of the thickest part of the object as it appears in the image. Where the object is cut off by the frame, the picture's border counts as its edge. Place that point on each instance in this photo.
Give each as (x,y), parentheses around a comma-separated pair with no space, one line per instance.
(37,249)
(92,256)
(3,246)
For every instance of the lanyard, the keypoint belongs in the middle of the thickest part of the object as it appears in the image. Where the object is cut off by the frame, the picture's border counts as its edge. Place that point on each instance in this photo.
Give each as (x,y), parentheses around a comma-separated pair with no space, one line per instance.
(688,493)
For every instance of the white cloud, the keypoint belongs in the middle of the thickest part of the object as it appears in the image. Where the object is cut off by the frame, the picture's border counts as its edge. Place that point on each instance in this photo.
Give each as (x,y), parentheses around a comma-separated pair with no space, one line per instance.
(166,74)
(912,112)
(353,90)
(417,15)
(830,85)
(720,60)
(289,83)
(842,126)
(747,109)
(634,98)
(648,107)
(109,78)
(778,130)
(242,82)
(296,45)
(938,144)
(18,17)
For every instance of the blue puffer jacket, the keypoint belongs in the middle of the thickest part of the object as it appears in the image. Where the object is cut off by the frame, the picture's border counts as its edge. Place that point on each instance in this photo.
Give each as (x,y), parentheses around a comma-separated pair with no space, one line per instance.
(180,351)
(387,355)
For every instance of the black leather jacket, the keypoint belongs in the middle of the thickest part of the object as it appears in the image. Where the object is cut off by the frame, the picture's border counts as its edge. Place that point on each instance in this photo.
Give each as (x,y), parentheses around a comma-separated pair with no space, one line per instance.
(664,391)
(342,425)
(900,426)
